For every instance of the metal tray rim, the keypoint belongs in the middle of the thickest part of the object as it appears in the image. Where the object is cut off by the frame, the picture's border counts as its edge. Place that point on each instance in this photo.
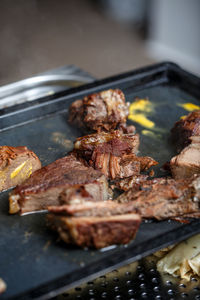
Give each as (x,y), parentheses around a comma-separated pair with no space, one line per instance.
(54,287)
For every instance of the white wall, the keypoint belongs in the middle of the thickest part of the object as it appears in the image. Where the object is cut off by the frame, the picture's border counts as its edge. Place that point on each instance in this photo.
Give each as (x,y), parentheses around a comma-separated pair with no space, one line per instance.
(174,32)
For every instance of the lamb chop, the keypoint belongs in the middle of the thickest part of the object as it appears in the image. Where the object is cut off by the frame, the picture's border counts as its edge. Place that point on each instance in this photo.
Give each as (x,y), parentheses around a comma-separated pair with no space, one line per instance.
(113,153)
(184,129)
(105,110)
(16,165)
(97,232)
(164,198)
(187,163)
(44,186)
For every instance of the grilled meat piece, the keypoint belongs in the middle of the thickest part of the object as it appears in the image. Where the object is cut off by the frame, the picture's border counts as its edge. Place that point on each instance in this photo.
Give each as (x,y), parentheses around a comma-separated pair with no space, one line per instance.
(184,129)
(93,209)
(113,153)
(127,183)
(44,186)
(97,232)
(105,110)
(80,193)
(187,163)
(16,165)
(114,142)
(164,198)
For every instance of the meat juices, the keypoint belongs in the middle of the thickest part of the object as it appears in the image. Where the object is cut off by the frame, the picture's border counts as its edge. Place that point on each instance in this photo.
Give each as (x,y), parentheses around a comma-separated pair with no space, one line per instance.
(16,165)
(113,153)
(184,129)
(97,232)
(44,186)
(105,110)
(164,198)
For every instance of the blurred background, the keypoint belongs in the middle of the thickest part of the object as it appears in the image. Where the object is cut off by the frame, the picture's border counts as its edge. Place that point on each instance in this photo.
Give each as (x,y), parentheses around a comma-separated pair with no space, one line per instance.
(103,37)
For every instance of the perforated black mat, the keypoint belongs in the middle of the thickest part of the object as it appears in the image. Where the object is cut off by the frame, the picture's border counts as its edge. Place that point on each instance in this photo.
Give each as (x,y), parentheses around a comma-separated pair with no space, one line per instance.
(137,281)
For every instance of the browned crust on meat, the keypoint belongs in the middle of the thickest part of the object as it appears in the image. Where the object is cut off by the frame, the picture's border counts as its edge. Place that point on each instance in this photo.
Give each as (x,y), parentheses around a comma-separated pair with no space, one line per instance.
(45,185)
(97,232)
(93,209)
(115,142)
(184,129)
(56,174)
(16,165)
(127,183)
(113,154)
(187,163)
(164,198)
(105,110)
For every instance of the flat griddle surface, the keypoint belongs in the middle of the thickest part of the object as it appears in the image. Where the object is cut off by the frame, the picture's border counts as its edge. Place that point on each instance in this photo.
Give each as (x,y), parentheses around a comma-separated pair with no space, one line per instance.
(33,262)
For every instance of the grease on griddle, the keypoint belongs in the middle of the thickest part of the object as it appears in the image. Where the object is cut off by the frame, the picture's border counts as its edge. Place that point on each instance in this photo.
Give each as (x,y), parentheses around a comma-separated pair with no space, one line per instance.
(27,235)
(60,139)
(151,134)
(46,246)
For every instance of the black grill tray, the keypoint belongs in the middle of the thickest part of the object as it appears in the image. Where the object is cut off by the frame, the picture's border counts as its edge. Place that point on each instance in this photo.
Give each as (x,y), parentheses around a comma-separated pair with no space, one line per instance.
(33,263)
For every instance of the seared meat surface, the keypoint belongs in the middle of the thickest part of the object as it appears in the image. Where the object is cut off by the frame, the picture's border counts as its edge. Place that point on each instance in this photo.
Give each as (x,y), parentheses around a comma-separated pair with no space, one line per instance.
(16,165)
(44,186)
(94,190)
(93,209)
(97,232)
(164,198)
(105,110)
(113,153)
(184,129)
(187,163)
(127,183)
(114,142)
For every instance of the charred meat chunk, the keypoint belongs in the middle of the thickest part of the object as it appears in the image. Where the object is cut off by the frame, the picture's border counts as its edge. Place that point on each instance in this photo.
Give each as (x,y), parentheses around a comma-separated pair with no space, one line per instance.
(44,186)
(184,129)
(97,232)
(113,153)
(105,110)
(187,163)
(164,198)
(16,165)
(114,142)
(127,183)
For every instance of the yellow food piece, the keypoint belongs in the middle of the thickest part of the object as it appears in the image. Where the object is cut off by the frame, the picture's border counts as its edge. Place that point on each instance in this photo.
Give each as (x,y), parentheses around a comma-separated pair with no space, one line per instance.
(138,110)
(141,105)
(17,170)
(189,106)
(183,117)
(29,172)
(142,120)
